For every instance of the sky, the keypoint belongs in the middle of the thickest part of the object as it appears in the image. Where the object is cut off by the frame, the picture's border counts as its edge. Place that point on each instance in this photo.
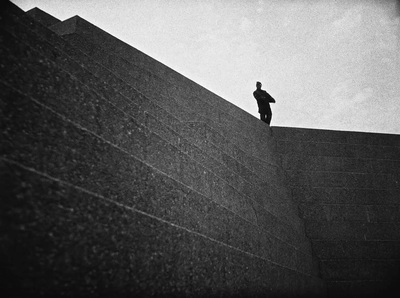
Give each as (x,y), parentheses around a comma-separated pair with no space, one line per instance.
(328,64)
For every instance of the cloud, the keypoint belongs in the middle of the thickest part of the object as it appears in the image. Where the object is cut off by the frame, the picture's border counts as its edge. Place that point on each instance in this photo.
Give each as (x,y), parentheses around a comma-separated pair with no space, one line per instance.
(345,94)
(350,20)
(245,24)
(260,7)
(362,95)
(344,99)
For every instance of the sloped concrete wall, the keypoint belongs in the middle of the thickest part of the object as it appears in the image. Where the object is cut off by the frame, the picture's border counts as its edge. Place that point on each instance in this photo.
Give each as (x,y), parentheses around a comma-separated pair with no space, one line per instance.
(122,177)
(347,185)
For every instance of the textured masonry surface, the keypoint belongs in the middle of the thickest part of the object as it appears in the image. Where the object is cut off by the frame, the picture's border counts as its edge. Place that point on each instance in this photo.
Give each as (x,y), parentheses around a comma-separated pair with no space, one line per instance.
(120,176)
(347,186)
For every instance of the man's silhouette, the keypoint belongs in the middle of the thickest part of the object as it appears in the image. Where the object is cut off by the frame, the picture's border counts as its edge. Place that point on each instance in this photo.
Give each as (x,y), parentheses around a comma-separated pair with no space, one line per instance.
(263,100)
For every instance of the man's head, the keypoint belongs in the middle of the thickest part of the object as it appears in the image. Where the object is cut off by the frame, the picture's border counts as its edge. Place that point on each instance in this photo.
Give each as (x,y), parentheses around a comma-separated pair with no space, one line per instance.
(258,85)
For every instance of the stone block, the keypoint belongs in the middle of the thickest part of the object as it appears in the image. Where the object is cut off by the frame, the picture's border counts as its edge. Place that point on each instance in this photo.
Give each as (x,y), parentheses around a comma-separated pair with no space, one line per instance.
(329,195)
(326,250)
(383,213)
(351,151)
(383,231)
(367,151)
(385,166)
(334,213)
(328,149)
(208,138)
(283,146)
(336,180)
(305,263)
(387,140)
(326,163)
(336,231)
(291,162)
(326,179)
(382,181)
(298,178)
(357,165)
(355,231)
(356,269)
(389,152)
(309,135)
(362,288)
(243,171)
(382,196)
(360,138)
(289,134)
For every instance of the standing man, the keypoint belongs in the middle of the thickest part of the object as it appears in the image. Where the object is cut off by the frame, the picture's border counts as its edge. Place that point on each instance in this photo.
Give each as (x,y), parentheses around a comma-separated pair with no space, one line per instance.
(263,100)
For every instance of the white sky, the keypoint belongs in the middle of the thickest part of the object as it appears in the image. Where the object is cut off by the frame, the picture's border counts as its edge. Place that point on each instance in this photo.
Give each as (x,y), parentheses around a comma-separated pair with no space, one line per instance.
(329,64)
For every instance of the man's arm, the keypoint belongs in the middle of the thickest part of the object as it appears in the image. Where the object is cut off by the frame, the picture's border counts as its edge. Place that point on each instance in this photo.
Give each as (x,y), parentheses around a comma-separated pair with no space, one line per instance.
(260,96)
(257,95)
(270,98)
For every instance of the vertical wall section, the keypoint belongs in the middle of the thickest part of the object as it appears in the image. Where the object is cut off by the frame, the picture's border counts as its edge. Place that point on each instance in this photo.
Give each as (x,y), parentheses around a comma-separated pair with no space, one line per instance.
(347,186)
(120,176)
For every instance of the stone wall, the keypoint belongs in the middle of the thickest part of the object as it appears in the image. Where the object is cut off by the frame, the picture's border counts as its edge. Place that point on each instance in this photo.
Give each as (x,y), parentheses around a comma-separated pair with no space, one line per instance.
(347,186)
(120,176)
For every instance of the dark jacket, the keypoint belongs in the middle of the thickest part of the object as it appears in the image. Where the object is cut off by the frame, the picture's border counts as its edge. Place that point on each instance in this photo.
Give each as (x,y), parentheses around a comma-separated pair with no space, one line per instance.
(263,100)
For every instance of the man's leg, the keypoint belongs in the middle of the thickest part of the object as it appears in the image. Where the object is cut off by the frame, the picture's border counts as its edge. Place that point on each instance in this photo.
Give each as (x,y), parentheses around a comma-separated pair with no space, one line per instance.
(269,117)
(262,117)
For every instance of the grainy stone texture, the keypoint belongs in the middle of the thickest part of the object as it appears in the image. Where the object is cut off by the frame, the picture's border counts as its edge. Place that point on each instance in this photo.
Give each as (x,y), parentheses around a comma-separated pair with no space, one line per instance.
(347,185)
(121,177)
(42,17)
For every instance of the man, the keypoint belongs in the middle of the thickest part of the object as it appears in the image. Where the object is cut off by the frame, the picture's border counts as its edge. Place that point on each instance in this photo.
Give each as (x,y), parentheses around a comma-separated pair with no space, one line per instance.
(263,100)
